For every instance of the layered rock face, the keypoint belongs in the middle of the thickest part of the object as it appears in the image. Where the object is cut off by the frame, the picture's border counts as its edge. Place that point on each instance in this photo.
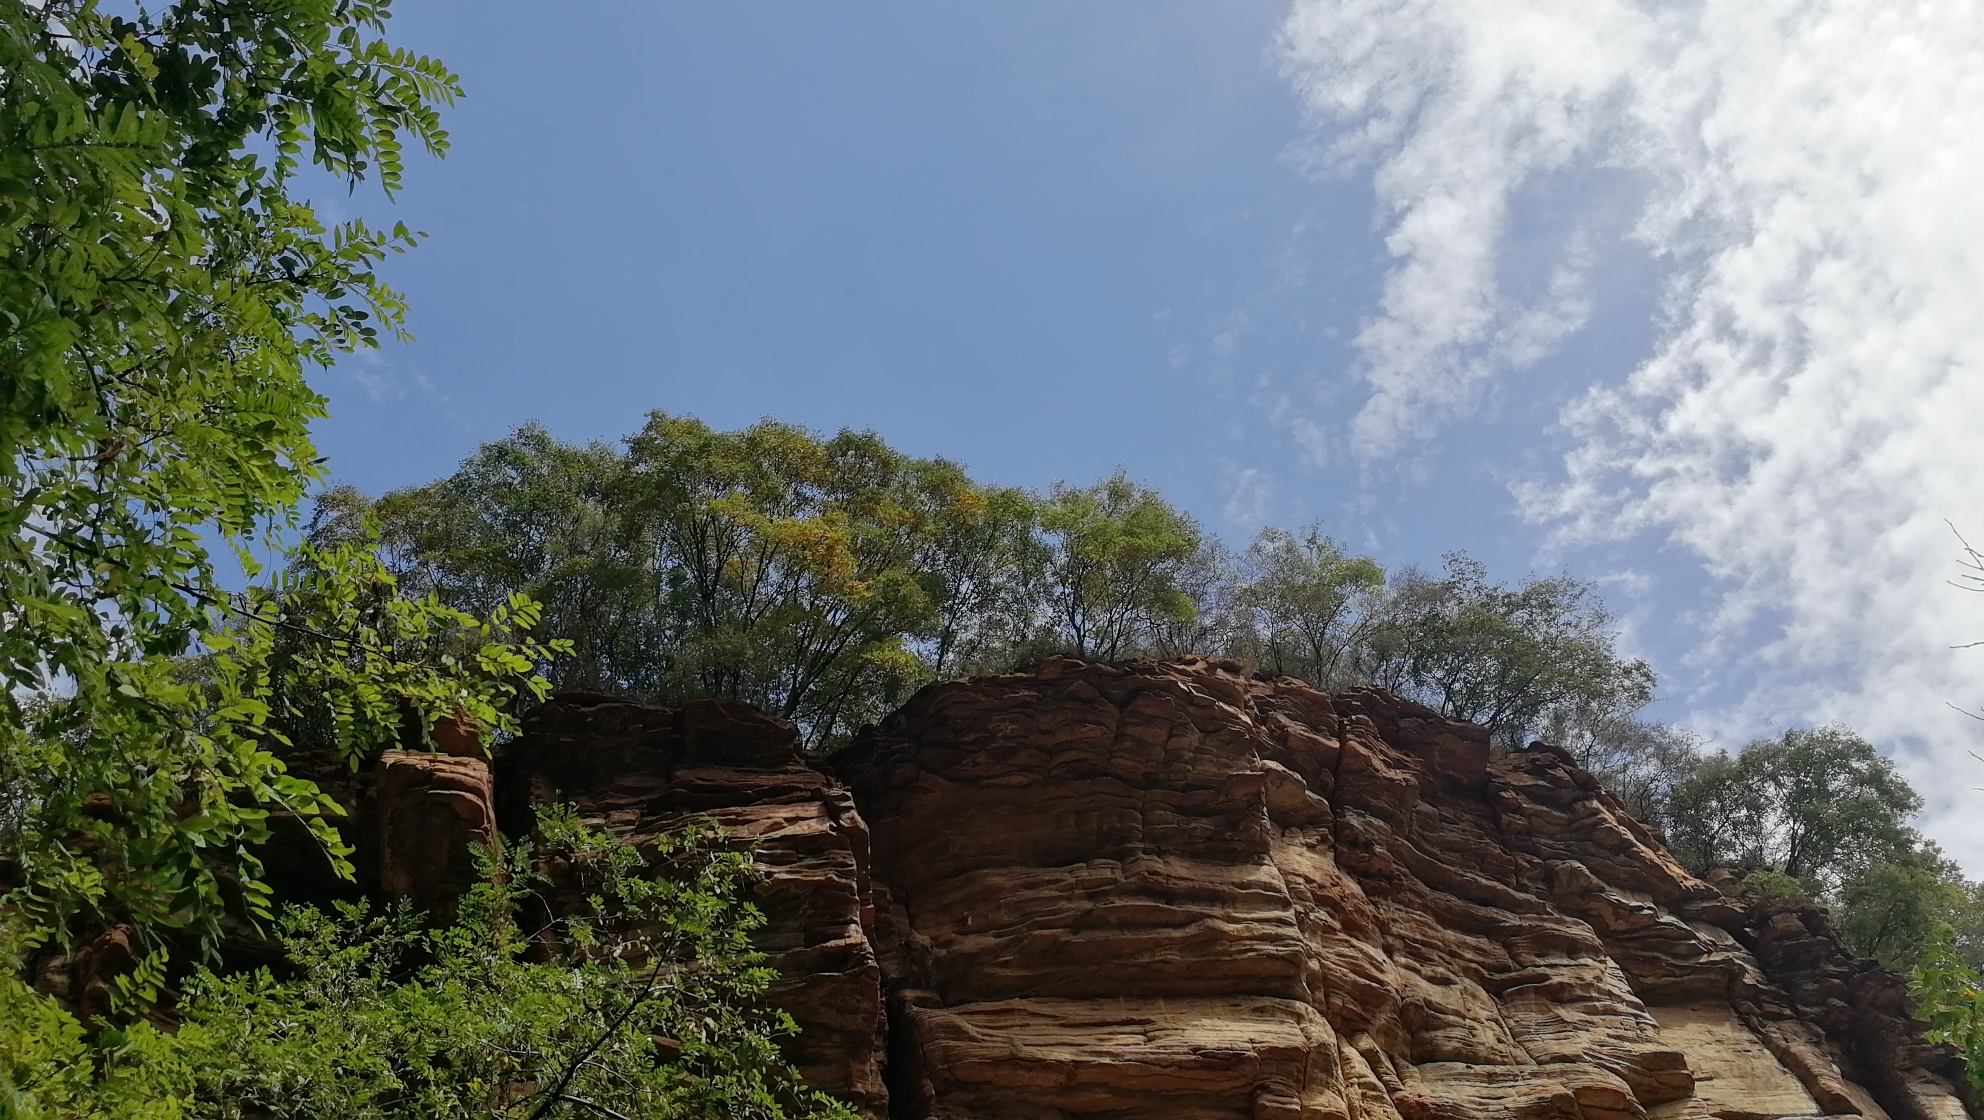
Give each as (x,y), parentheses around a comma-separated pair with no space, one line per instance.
(639,770)
(1175,890)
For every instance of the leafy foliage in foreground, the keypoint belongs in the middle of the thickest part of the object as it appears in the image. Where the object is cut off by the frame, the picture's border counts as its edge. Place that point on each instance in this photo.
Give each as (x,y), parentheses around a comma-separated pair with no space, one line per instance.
(1949,993)
(645,1007)
(115,820)
(161,297)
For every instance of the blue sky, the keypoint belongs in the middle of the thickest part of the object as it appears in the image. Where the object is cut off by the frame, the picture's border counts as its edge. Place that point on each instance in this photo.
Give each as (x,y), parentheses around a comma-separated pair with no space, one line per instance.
(1006,234)
(1048,240)
(1567,286)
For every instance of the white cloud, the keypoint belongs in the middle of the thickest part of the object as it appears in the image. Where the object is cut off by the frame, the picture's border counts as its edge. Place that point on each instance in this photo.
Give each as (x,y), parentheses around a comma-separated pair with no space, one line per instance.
(1248,495)
(1809,415)
(1458,105)
(385,381)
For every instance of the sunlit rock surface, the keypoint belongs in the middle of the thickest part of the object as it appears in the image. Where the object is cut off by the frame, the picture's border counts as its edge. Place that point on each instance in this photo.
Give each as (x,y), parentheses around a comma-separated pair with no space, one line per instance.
(638,770)
(1175,890)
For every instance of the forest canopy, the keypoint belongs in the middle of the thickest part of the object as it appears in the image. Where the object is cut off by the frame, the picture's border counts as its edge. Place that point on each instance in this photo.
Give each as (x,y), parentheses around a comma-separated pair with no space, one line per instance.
(824,578)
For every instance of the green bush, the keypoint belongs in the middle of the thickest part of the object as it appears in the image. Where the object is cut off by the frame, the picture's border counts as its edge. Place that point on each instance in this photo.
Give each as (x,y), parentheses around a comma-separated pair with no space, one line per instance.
(646,1005)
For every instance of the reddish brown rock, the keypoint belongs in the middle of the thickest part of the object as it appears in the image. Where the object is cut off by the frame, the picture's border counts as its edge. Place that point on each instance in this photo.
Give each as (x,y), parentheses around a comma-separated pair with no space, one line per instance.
(638,770)
(431,810)
(1176,890)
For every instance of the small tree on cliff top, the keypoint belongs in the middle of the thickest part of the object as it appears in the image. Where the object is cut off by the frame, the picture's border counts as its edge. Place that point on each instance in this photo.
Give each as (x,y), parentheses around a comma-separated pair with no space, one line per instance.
(1515,660)
(1305,607)
(1122,565)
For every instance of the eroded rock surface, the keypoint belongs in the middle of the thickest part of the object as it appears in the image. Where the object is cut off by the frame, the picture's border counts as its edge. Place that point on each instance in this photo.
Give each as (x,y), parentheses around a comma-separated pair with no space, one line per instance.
(432,809)
(639,770)
(1174,890)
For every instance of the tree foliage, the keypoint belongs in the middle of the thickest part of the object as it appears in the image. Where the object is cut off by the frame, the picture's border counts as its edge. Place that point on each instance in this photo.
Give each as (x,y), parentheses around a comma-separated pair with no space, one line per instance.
(1816,813)
(815,578)
(645,1006)
(1894,911)
(161,297)
(1122,565)
(1818,805)
(1949,994)
(1304,606)
(1515,660)
(823,577)
(331,644)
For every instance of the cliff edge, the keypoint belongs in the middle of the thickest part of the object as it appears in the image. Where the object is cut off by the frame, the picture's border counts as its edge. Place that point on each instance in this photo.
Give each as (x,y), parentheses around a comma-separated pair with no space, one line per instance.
(1178,890)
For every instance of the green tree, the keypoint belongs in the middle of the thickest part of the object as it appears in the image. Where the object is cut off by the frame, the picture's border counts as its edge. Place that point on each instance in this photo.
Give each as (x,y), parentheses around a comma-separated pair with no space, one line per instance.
(1515,660)
(1818,805)
(818,578)
(1641,761)
(982,568)
(1305,606)
(647,1005)
(162,295)
(791,564)
(330,644)
(528,514)
(1123,564)
(1893,911)
(1949,993)
(1709,812)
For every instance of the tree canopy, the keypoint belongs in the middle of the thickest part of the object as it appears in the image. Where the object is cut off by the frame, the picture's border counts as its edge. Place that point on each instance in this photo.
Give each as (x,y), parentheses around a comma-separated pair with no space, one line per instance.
(823,577)
(1515,660)
(1304,606)
(1121,569)
(1817,805)
(813,577)
(1815,812)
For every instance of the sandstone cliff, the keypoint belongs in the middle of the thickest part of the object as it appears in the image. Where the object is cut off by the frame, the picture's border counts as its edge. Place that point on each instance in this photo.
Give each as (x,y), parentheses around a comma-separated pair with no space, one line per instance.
(1175,890)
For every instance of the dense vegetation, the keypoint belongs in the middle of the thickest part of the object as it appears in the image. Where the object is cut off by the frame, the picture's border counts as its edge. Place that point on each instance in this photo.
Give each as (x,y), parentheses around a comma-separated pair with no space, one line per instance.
(163,295)
(645,1007)
(825,578)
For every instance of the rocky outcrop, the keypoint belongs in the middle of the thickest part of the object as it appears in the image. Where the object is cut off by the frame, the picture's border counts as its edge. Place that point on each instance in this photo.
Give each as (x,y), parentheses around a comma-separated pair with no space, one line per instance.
(1179,890)
(432,811)
(639,770)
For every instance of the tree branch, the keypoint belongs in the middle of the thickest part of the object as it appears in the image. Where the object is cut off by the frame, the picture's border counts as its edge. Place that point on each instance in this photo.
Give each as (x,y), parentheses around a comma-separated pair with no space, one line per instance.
(557,1092)
(599,1108)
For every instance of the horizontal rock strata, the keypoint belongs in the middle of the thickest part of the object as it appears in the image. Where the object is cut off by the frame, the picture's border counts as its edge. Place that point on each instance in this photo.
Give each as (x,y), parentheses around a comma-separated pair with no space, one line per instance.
(1177,890)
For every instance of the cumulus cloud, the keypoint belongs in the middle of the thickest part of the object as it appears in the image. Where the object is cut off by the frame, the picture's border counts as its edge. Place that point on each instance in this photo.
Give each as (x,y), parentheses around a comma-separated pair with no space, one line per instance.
(1806,174)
